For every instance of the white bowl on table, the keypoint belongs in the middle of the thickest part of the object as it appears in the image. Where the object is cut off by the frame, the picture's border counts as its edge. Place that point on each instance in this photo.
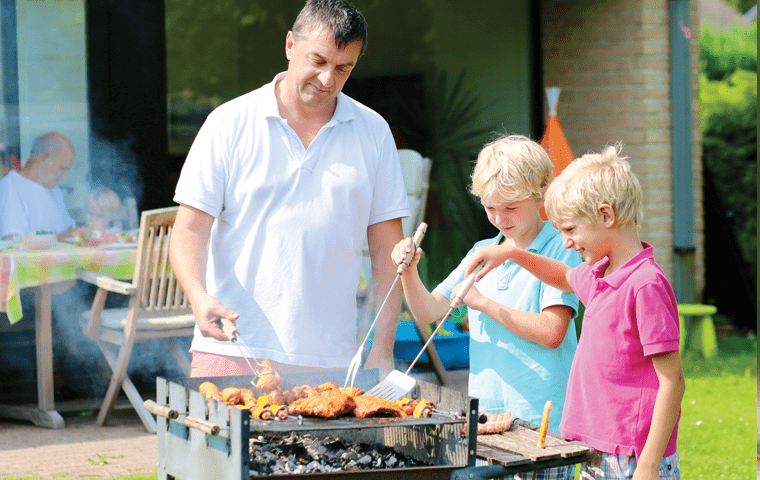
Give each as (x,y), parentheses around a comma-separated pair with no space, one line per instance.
(40,241)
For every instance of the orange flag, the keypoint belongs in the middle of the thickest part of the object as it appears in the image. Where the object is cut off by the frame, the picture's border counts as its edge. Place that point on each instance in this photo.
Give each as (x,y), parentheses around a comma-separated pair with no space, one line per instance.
(554,141)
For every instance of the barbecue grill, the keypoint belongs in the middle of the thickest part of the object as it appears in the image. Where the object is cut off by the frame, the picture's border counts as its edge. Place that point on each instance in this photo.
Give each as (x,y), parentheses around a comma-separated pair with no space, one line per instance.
(200,440)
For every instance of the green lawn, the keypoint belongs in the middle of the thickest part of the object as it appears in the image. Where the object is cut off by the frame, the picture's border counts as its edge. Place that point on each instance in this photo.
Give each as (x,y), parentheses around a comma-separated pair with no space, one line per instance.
(718,430)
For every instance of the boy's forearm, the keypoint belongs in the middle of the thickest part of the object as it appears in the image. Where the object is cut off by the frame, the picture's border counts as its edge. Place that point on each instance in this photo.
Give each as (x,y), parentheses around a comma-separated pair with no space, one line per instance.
(548,270)
(425,307)
(665,414)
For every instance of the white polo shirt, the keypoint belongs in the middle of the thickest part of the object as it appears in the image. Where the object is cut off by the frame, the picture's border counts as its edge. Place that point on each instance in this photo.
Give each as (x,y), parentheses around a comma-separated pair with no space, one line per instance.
(27,206)
(286,246)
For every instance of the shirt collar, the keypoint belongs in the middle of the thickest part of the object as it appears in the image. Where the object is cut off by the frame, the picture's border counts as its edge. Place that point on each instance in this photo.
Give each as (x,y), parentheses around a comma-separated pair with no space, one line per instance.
(344,111)
(546,234)
(619,276)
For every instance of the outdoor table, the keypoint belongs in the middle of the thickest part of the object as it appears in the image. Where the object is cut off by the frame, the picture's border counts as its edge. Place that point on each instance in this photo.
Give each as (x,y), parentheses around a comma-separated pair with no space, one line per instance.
(44,269)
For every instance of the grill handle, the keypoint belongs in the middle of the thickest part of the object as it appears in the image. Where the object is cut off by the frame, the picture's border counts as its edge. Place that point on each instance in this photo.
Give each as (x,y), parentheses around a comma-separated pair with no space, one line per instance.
(161,410)
(202,425)
(188,421)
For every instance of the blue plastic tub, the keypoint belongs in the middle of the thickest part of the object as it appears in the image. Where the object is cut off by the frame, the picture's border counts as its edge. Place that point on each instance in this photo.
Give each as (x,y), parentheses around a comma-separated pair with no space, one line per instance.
(452,345)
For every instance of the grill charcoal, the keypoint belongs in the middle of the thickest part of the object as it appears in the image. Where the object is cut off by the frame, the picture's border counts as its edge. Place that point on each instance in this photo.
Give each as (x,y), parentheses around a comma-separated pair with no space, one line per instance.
(293,453)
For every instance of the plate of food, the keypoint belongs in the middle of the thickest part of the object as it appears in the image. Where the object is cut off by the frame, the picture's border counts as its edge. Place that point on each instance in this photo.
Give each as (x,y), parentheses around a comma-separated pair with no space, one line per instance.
(84,237)
(40,240)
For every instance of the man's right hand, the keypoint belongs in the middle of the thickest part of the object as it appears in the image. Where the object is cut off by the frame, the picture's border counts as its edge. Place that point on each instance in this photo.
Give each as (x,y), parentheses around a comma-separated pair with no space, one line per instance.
(208,310)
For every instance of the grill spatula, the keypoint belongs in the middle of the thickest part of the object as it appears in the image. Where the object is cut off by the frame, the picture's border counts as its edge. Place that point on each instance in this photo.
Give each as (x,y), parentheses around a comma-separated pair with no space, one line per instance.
(398,384)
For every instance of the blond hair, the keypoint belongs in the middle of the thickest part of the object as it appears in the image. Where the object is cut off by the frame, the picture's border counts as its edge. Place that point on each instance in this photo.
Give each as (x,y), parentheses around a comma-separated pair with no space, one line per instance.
(510,169)
(107,200)
(594,179)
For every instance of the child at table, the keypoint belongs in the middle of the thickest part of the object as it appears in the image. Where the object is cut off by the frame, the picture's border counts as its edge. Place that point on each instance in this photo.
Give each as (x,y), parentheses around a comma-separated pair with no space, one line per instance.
(103,207)
(626,383)
(522,334)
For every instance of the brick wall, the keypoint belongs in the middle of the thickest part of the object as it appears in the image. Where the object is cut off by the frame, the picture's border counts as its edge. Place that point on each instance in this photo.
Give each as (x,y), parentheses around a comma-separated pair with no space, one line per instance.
(612,60)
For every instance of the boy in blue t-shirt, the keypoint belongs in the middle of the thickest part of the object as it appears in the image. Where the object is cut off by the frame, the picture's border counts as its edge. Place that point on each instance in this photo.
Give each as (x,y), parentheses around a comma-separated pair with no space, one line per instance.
(522,334)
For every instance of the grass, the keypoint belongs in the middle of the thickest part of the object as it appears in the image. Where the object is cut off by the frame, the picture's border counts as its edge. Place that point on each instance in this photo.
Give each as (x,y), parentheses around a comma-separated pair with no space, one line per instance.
(717,436)
(717,430)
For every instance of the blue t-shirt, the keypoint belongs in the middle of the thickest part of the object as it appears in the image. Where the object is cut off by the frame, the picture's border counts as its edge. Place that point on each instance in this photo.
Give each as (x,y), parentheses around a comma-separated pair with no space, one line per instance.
(508,372)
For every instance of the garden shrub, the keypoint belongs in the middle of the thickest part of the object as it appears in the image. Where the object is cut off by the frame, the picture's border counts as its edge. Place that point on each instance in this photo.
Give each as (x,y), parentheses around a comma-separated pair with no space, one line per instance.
(722,53)
(729,151)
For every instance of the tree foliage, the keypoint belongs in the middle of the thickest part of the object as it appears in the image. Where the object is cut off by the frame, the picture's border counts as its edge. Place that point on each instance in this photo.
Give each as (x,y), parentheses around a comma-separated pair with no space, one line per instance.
(728,108)
(722,53)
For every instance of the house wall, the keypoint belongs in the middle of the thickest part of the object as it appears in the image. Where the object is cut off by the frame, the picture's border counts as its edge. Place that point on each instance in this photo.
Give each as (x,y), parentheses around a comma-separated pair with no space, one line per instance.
(52,72)
(611,59)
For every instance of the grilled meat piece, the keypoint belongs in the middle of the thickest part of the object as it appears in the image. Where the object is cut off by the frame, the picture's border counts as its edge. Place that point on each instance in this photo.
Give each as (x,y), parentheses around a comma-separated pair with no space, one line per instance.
(269,382)
(495,423)
(489,423)
(231,395)
(326,387)
(374,406)
(327,405)
(210,390)
(352,392)
(247,398)
(296,393)
(277,397)
(269,379)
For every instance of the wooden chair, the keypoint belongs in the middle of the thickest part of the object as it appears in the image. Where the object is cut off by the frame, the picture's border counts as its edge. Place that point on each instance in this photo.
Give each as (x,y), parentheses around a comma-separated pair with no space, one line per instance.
(157,310)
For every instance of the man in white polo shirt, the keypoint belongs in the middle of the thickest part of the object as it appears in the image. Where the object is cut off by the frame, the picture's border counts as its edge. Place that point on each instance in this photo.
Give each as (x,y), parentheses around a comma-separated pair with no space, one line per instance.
(31,199)
(276,196)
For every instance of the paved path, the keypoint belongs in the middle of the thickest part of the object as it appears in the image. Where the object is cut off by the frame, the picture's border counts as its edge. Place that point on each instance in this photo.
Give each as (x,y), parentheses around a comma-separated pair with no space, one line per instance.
(81,450)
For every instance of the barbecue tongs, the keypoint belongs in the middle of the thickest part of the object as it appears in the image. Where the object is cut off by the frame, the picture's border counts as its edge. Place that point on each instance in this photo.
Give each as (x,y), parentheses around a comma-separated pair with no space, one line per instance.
(234,335)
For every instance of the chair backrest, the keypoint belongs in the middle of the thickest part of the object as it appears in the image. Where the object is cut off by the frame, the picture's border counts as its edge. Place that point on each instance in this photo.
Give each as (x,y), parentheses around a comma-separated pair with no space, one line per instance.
(159,292)
(416,172)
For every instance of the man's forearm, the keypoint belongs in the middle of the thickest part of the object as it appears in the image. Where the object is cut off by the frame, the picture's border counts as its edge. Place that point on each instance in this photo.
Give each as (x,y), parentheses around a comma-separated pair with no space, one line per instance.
(188,249)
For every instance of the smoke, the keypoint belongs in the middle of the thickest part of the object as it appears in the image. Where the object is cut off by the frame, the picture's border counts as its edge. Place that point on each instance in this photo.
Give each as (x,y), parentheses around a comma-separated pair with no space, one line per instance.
(114,165)
(80,367)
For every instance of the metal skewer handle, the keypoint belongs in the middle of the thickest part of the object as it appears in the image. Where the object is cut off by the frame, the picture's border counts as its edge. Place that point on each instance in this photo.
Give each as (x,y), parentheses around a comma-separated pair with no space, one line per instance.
(466,285)
(419,234)
(229,329)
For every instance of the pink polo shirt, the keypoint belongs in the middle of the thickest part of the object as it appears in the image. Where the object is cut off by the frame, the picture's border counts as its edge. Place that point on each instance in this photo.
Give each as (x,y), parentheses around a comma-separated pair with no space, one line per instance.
(630,315)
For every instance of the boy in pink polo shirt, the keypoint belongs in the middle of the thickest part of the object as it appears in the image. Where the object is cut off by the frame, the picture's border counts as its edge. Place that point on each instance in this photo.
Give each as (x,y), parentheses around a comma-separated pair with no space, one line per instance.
(626,382)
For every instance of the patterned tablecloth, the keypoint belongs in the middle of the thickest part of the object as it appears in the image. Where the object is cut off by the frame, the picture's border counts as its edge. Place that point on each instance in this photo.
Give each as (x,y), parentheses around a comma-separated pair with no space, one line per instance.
(22,268)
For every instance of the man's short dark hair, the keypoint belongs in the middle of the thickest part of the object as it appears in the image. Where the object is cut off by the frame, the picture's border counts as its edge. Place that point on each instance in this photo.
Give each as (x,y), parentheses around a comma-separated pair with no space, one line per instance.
(343,19)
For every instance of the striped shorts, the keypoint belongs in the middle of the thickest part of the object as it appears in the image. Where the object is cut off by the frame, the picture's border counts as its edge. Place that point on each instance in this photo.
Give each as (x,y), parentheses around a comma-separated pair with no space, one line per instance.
(605,466)
(558,473)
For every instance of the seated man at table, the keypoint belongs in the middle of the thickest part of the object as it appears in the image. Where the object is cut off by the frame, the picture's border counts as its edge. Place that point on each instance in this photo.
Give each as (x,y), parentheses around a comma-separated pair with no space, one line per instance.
(30,199)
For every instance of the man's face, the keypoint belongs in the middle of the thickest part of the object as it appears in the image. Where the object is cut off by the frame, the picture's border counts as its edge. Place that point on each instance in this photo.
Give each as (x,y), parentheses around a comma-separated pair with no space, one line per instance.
(318,67)
(57,166)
